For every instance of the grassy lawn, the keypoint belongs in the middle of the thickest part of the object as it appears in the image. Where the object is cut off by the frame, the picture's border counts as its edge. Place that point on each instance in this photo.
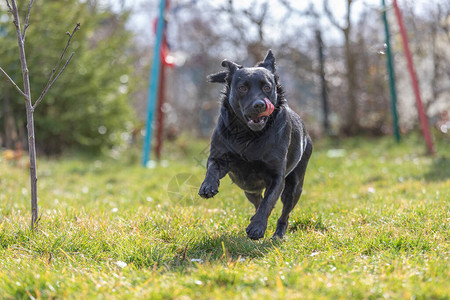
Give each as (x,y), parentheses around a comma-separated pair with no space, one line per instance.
(373,222)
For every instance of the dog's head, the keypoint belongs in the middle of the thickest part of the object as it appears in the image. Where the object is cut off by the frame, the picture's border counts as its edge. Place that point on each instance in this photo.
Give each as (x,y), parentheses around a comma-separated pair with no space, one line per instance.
(252,93)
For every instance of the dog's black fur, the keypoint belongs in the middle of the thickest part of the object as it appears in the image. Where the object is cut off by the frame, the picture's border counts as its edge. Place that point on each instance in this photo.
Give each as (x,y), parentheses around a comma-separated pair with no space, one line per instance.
(268,152)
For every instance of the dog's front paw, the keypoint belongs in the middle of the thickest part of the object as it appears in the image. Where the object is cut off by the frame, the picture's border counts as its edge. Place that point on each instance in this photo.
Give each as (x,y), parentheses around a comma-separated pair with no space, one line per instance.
(208,189)
(256,229)
(280,231)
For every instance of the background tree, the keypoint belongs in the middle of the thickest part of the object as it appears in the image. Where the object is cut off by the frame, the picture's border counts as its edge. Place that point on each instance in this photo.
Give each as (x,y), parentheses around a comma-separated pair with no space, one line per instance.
(25,91)
(372,92)
(350,125)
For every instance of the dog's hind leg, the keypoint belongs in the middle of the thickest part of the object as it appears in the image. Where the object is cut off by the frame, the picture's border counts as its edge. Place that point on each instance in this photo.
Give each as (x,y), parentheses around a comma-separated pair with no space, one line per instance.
(254,198)
(292,191)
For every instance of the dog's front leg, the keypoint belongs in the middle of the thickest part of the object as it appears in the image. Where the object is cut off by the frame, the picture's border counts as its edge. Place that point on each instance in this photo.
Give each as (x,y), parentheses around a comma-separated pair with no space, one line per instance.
(258,222)
(216,170)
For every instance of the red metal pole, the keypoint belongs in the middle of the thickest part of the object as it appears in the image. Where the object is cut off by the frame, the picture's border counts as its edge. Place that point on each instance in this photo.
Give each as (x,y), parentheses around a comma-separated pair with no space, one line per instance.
(160,113)
(161,89)
(420,110)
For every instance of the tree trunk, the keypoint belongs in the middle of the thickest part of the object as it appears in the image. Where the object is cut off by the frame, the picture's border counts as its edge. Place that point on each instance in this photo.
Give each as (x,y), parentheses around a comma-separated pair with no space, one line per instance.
(351,125)
(323,84)
(33,175)
(26,93)
(30,119)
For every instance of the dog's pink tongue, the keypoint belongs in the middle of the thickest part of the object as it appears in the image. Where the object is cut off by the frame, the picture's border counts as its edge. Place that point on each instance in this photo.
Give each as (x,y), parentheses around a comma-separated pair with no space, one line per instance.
(269,109)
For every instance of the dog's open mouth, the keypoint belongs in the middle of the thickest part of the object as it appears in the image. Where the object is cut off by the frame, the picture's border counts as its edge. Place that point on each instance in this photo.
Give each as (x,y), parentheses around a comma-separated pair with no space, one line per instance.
(256,123)
(256,120)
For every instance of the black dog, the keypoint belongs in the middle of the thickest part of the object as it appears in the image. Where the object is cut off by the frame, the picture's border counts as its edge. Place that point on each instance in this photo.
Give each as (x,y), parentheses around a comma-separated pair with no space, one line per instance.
(259,141)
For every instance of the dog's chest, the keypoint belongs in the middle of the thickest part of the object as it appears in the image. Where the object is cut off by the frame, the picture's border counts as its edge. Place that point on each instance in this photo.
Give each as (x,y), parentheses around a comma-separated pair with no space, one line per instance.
(250,176)
(253,149)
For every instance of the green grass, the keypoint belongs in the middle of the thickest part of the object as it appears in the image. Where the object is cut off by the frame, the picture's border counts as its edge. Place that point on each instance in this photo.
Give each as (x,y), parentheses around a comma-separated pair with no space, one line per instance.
(373,223)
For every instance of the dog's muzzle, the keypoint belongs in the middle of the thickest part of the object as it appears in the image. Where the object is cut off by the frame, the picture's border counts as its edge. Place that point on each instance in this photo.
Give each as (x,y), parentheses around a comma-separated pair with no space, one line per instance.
(257,122)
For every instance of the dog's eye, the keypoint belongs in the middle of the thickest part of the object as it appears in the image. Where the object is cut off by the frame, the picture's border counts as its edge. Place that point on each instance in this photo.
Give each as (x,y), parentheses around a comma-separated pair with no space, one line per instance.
(267,88)
(242,88)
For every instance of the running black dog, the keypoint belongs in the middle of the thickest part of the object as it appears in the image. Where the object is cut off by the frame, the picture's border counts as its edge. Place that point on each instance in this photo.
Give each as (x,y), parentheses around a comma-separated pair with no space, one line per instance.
(259,141)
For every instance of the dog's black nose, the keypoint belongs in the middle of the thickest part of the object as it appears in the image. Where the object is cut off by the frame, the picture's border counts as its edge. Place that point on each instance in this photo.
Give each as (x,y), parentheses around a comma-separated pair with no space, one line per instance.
(259,105)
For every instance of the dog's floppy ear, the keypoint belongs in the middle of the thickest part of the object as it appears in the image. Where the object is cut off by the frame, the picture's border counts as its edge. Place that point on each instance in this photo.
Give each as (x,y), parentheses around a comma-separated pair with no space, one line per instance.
(232,67)
(224,76)
(218,77)
(268,62)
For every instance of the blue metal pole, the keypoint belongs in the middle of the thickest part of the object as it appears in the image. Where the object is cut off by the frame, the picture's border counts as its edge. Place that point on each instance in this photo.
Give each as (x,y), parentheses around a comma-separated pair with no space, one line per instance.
(154,83)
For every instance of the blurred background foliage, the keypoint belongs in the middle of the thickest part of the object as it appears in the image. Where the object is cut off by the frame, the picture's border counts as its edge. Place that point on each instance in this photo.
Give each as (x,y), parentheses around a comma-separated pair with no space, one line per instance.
(99,103)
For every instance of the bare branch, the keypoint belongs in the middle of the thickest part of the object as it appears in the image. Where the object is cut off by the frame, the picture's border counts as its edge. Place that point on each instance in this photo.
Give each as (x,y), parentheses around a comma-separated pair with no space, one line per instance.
(13,83)
(23,60)
(308,12)
(51,80)
(13,10)
(349,13)
(27,19)
(229,9)
(330,16)
(77,27)
(258,20)
(9,6)
(51,83)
